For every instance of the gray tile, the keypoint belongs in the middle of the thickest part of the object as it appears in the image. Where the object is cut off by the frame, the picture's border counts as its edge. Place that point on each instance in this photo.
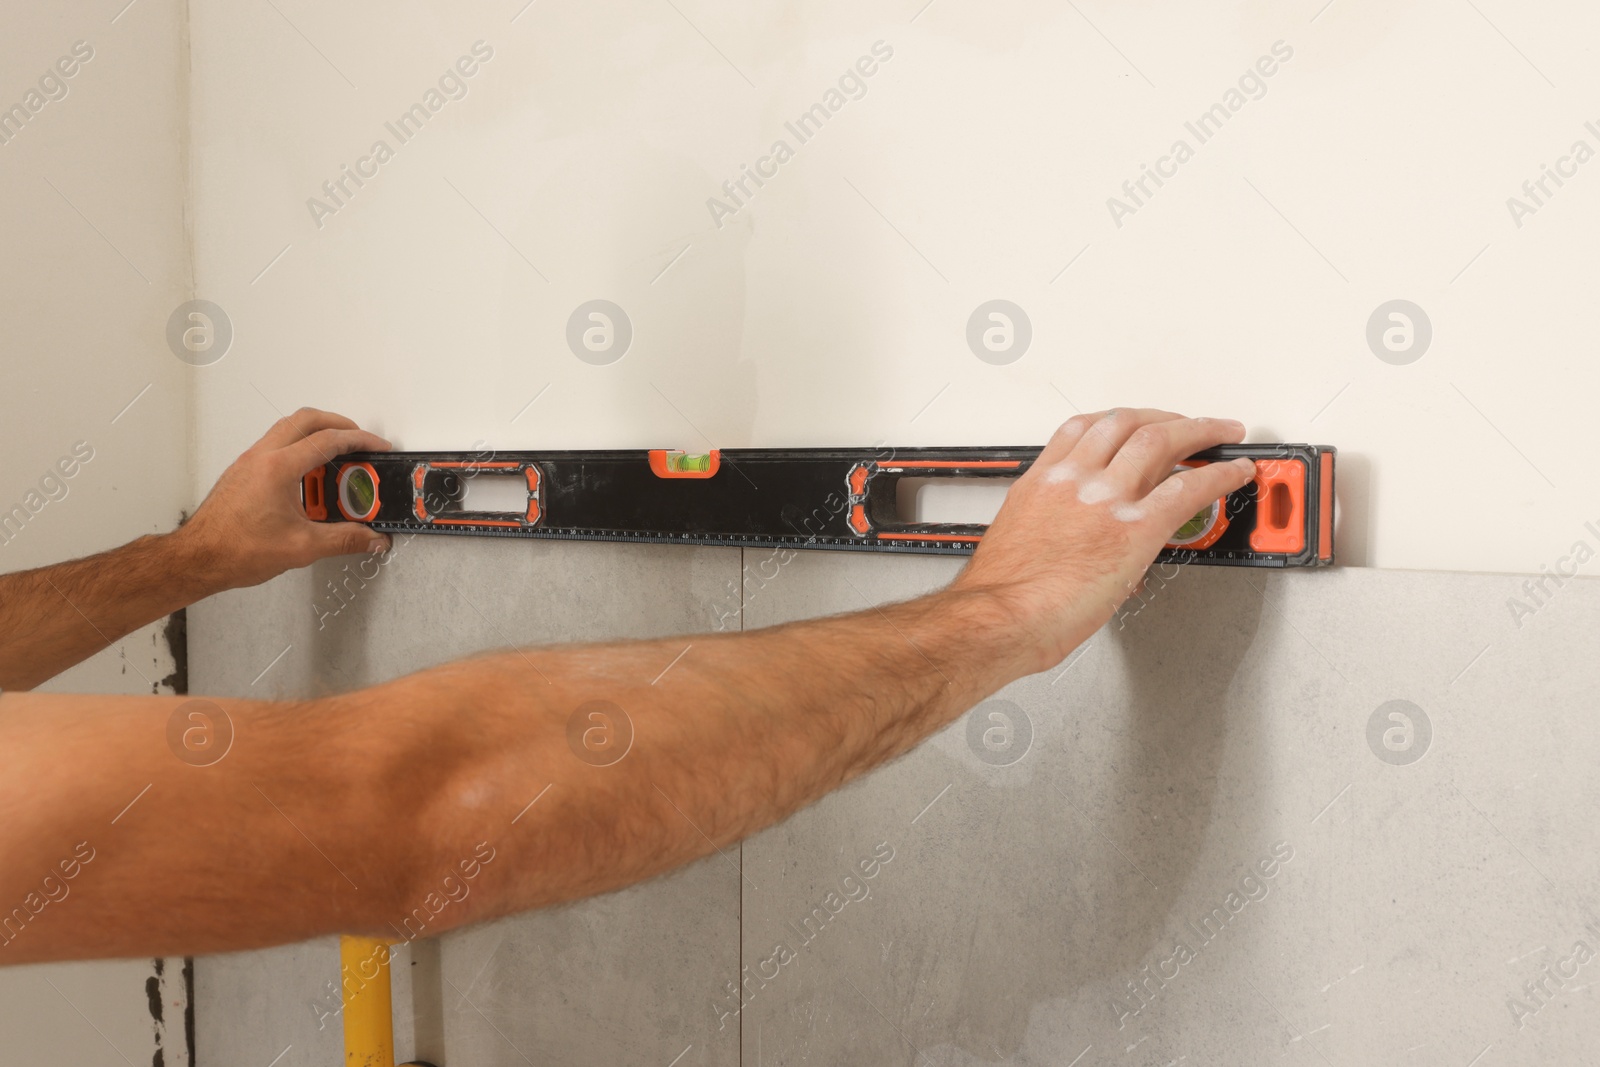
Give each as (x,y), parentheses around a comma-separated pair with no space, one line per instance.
(1222,725)
(615,979)
(253,1007)
(602,981)
(1029,885)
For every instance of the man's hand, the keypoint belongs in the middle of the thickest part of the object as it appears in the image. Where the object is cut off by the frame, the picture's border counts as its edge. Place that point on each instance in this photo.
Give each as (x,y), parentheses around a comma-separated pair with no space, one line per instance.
(251,526)
(1078,530)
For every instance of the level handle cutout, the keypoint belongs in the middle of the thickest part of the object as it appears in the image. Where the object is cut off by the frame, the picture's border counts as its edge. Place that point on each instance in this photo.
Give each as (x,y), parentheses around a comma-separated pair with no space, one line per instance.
(949,501)
(494,494)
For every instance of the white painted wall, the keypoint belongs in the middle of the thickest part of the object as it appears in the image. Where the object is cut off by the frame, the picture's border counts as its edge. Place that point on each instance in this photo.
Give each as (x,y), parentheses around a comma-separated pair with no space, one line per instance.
(832,308)
(95,260)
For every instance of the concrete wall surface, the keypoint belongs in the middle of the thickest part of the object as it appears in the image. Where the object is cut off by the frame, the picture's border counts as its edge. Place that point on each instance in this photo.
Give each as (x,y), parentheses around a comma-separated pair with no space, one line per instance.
(1212,835)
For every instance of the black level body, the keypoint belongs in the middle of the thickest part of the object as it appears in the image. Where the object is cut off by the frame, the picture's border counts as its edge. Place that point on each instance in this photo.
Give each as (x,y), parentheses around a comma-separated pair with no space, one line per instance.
(824,498)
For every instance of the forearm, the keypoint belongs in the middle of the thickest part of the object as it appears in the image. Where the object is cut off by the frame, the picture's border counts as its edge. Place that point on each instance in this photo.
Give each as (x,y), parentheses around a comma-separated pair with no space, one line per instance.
(349,813)
(251,527)
(742,730)
(54,617)
(270,831)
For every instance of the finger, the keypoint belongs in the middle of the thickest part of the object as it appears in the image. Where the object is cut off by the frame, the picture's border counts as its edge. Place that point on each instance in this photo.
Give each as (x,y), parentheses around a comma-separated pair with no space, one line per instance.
(1177,499)
(322,446)
(1154,448)
(303,423)
(1067,435)
(1106,437)
(343,539)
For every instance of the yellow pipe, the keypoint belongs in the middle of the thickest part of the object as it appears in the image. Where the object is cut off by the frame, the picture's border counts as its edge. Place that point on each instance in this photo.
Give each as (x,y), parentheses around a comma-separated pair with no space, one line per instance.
(368,1008)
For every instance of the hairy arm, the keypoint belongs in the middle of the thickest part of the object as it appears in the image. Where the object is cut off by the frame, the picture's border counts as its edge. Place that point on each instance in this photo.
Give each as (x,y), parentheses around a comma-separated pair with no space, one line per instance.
(248,529)
(54,617)
(357,812)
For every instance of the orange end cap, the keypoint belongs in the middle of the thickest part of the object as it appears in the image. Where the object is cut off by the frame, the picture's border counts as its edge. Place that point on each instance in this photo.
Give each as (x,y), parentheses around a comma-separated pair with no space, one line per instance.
(858,519)
(1325,509)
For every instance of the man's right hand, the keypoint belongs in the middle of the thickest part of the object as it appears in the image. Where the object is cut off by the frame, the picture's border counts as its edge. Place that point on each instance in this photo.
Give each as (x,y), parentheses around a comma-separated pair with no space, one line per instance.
(1079,529)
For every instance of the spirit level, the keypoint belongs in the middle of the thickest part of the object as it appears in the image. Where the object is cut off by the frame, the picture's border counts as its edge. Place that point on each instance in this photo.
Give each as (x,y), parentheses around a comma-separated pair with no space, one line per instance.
(828,498)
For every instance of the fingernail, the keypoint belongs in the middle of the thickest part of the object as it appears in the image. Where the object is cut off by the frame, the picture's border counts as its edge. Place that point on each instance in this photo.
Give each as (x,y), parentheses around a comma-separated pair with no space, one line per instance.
(378,544)
(1246,464)
(1234,422)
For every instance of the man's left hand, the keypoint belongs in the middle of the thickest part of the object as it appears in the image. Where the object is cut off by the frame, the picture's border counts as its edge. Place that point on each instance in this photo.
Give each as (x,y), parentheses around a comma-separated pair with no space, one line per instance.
(252,527)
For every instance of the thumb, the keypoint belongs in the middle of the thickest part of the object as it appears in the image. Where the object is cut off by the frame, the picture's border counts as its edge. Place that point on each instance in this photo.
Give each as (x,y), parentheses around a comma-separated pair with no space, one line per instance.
(345,538)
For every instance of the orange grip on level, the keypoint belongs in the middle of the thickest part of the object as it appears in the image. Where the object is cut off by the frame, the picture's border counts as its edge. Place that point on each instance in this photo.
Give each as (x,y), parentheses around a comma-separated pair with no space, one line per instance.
(311,495)
(1280,507)
(858,480)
